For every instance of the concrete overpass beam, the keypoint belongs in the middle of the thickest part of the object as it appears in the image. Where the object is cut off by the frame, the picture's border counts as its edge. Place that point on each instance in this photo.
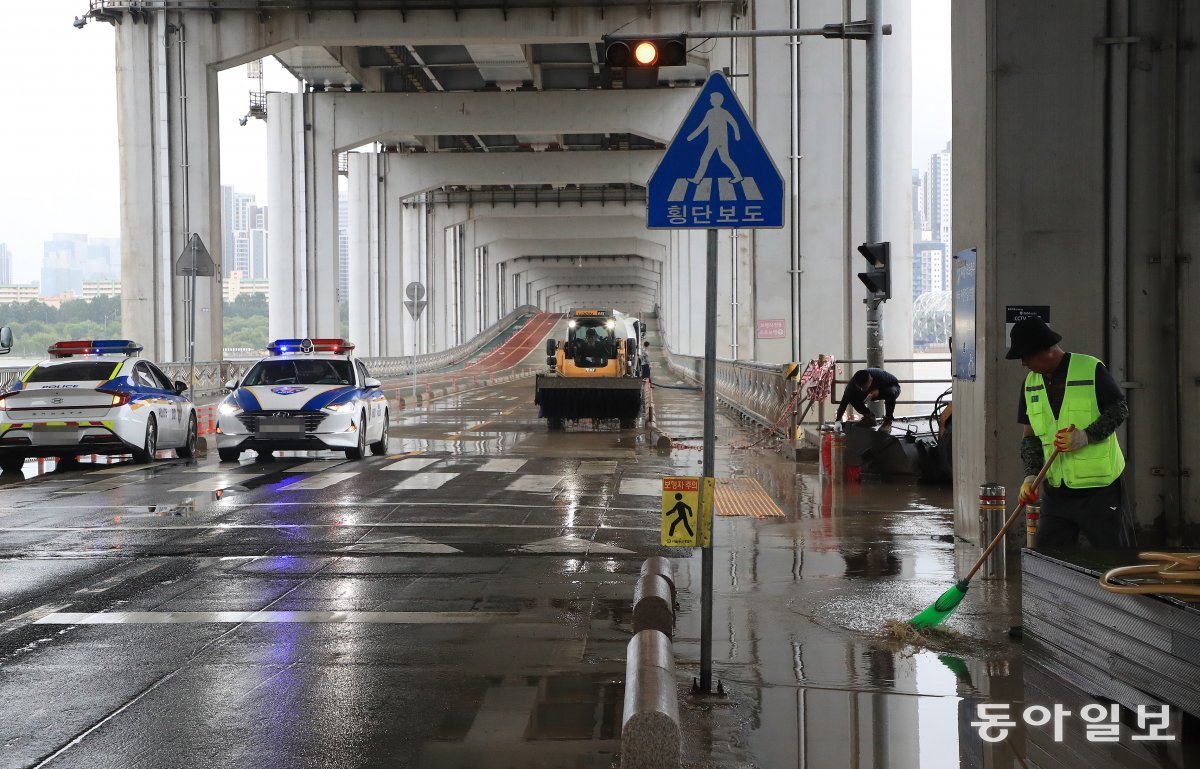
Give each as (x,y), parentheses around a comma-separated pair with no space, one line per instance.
(423,172)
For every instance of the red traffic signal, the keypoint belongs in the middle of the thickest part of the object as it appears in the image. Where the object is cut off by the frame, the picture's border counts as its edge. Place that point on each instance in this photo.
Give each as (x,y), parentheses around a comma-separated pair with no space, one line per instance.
(645,51)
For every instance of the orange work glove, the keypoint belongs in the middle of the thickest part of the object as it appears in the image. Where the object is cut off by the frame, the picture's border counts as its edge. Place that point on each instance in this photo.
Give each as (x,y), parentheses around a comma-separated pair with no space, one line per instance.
(1029,493)
(1070,439)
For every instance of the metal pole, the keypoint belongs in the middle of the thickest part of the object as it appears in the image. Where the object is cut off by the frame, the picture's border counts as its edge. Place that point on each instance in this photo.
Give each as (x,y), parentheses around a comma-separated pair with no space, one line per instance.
(874,78)
(710,440)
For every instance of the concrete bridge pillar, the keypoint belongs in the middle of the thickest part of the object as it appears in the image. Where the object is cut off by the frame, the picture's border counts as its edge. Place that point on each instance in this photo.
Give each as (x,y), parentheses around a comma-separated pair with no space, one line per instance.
(365,299)
(169,158)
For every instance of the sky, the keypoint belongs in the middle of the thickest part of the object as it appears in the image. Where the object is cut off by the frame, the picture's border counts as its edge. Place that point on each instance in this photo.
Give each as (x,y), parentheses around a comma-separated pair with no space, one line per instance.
(58,161)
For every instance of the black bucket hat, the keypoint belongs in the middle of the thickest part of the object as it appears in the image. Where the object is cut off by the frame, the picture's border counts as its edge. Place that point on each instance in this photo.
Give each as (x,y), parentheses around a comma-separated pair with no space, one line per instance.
(1029,336)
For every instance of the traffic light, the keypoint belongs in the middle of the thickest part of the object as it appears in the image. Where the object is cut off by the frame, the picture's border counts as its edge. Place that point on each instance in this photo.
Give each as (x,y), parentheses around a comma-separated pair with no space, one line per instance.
(645,51)
(877,278)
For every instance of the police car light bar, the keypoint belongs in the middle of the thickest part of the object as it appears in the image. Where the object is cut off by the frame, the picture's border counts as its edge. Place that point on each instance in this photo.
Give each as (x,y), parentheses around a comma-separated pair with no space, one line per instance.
(94,347)
(306,346)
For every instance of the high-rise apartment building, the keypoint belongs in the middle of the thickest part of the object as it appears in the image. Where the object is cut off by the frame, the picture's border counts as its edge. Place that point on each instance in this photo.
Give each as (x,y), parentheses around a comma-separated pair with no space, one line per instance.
(6,274)
(245,235)
(70,259)
(343,247)
(937,192)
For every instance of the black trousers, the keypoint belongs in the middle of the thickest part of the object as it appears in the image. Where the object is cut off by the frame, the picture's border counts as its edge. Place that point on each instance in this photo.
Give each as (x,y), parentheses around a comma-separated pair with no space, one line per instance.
(1102,515)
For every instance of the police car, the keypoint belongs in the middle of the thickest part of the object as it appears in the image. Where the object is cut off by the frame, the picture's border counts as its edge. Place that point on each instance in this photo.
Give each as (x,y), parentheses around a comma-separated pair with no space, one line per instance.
(94,397)
(308,394)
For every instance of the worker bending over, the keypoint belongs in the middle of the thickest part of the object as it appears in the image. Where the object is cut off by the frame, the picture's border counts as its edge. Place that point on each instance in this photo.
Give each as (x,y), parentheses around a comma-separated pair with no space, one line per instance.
(871,384)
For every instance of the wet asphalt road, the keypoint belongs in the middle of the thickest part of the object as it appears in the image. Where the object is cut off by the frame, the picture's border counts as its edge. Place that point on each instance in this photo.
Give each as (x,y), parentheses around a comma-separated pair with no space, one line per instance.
(464,602)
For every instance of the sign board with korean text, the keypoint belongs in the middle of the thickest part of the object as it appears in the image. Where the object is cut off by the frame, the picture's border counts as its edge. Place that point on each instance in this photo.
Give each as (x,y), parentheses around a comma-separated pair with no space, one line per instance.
(771,329)
(680,511)
(1016,312)
(716,172)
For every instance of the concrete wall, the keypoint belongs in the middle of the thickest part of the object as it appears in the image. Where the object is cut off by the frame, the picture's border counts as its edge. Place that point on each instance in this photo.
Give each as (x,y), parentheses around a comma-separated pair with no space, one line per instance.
(1082,193)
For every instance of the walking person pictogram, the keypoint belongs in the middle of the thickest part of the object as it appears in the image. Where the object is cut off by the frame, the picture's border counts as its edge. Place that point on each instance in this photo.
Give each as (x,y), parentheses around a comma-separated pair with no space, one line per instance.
(716,122)
(681,510)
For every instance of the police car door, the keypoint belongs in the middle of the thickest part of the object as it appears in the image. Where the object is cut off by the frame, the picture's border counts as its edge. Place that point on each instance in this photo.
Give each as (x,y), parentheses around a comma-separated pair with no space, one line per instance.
(176,408)
(155,402)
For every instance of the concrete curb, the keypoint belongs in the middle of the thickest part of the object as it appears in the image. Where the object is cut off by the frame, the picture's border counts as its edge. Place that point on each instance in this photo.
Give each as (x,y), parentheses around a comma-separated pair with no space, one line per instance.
(650,731)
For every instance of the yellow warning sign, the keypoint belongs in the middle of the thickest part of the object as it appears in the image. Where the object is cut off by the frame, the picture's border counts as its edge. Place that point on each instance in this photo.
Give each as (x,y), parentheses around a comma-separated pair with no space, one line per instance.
(680,511)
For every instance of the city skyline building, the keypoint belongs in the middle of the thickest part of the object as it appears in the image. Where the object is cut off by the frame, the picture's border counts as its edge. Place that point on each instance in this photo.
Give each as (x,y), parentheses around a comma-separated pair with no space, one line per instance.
(244,235)
(70,259)
(6,259)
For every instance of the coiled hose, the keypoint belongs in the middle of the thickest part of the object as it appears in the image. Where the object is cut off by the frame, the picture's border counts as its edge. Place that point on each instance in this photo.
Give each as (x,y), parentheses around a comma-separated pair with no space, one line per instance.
(1165,574)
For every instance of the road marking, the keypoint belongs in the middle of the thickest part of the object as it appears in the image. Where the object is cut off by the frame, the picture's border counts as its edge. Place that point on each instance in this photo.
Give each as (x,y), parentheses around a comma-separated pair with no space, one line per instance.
(597,467)
(502,465)
(33,615)
(315,466)
(409,464)
(216,484)
(125,468)
(539,483)
(571,545)
(401,544)
(136,570)
(425,481)
(223,467)
(322,481)
(503,717)
(235,617)
(641,487)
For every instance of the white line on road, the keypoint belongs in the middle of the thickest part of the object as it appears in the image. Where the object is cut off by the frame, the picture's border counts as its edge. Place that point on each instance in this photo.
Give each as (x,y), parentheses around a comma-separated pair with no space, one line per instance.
(408,464)
(322,481)
(502,465)
(136,570)
(215,484)
(234,617)
(316,466)
(641,487)
(539,483)
(425,481)
(33,615)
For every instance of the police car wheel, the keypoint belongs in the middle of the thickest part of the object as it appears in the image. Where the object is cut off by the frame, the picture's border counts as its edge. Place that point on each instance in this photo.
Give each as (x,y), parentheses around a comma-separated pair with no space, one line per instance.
(12,464)
(150,446)
(381,446)
(229,455)
(188,449)
(359,451)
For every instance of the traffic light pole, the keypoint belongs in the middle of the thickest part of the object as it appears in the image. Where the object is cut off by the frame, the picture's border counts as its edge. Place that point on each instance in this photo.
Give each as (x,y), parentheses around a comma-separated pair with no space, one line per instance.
(874,78)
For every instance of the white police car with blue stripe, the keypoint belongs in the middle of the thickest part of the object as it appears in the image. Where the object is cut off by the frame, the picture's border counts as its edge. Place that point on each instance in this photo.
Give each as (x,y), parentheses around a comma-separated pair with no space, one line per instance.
(309,394)
(94,397)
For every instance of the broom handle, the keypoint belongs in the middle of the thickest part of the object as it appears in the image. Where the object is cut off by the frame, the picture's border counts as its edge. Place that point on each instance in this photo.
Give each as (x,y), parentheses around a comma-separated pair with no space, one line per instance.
(1011,519)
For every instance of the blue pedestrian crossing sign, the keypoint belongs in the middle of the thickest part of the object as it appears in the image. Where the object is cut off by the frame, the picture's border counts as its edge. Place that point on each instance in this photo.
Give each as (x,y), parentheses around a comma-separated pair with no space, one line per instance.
(716,173)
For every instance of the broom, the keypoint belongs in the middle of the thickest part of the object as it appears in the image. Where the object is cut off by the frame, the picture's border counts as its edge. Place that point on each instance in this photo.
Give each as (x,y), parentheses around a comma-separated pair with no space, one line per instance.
(945,605)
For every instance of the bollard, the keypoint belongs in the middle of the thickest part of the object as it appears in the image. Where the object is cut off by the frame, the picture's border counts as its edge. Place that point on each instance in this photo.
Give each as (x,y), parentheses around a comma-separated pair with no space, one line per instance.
(653,605)
(661,567)
(650,733)
(826,432)
(1033,514)
(991,518)
(837,456)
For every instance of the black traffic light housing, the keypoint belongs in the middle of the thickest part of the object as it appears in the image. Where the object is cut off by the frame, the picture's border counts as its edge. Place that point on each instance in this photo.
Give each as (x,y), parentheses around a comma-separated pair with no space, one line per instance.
(645,51)
(878,277)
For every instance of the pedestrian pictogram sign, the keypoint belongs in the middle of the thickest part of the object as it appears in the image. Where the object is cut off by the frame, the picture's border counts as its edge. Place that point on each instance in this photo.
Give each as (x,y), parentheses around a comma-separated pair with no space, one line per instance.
(716,172)
(680,511)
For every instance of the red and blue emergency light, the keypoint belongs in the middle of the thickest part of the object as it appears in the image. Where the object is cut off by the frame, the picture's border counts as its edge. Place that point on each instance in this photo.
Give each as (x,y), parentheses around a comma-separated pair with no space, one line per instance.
(94,347)
(307,346)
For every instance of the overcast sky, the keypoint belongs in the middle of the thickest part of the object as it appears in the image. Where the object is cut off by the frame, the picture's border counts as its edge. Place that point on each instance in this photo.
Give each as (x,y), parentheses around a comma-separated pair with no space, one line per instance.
(58,149)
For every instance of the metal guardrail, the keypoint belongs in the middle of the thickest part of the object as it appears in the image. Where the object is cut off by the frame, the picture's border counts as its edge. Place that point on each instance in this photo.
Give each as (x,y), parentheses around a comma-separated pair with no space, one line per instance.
(845,369)
(212,375)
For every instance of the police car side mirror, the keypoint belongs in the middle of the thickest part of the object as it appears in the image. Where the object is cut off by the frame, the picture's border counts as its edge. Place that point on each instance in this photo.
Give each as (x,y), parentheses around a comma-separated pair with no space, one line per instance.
(180,386)
(6,340)
(231,384)
(372,384)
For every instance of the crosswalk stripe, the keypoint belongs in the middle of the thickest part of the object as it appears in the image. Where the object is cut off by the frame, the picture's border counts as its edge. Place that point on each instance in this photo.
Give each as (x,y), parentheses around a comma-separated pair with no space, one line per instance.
(425,481)
(641,487)
(408,464)
(117,470)
(316,466)
(226,617)
(215,483)
(321,481)
(750,189)
(678,191)
(542,483)
(502,465)
(725,190)
(703,190)
(597,467)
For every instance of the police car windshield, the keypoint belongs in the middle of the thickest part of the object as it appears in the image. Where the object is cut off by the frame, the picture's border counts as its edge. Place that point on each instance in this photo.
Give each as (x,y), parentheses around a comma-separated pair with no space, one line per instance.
(288,371)
(75,371)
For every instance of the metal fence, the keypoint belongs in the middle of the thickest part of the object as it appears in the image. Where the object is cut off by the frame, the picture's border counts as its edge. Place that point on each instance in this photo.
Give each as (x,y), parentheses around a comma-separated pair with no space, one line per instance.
(211,376)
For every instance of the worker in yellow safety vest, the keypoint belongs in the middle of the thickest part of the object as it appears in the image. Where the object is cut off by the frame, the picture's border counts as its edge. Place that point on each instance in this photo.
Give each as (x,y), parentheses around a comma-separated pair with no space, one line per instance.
(1069,401)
